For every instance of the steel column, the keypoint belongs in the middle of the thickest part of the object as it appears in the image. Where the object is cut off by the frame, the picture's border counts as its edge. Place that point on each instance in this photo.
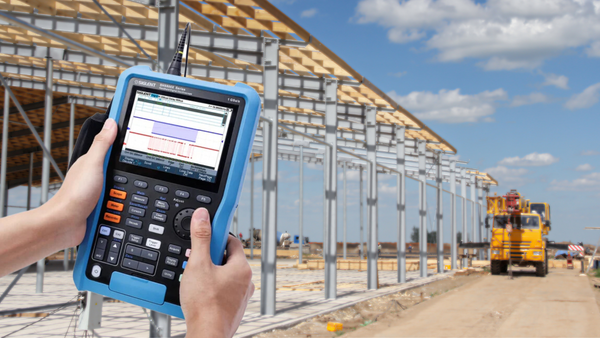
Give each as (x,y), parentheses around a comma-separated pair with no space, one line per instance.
(330,245)
(440,215)
(252,160)
(269,222)
(168,27)
(473,237)
(422,210)
(480,218)
(160,325)
(30,181)
(3,160)
(301,207)
(488,231)
(401,200)
(463,193)
(39,287)
(453,244)
(361,248)
(71,143)
(371,115)
(345,209)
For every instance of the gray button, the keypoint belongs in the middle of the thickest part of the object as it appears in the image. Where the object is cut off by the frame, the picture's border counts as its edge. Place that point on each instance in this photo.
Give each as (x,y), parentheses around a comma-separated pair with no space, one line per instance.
(151,255)
(101,244)
(171,261)
(161,204)
(96,270)
(99,254)
(137,211)
(130,263)
(203,199)
(115,246)
(134,223)
(182,194)
(159,217)
(140,184)
(161,189)
(132,250)
(112,258)
(136,239)
(176,249)
(146,268)
(168,274)
(139,199)
(120,179)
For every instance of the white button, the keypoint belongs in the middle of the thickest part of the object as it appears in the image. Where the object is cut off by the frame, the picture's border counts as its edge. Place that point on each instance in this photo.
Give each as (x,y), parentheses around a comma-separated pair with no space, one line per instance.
(118,234)
(96,269)
(188,252)
(157,229)
(153,243)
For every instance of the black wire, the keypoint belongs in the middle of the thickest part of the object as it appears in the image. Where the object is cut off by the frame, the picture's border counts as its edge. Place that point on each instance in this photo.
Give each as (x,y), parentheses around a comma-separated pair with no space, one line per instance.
(49,314)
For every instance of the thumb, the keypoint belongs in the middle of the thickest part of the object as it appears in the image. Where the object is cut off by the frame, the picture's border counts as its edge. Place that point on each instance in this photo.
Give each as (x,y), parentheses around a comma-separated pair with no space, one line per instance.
(103,141)
(200,233)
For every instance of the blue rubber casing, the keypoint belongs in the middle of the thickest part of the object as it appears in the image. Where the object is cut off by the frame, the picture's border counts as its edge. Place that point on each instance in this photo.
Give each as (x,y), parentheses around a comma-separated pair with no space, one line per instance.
(136,290)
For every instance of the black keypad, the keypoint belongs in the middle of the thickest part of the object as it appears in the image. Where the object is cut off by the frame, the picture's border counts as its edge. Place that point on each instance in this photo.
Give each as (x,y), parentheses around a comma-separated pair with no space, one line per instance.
(146,268)
(112,258)
(139,199)
(157,216)
(151,255)
(115,246)
(134,223)
(101,243)
(161,189)
(161,205)
(140,184)
(133,250)
(182,194)
(137,211)
(137,239)
(176,249)
(99,254)
(130,263)
(203,199)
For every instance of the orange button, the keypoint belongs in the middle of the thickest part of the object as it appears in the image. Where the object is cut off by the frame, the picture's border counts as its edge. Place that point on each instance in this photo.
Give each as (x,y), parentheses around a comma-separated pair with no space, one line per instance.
(112,217)
(118,194)
(114,206)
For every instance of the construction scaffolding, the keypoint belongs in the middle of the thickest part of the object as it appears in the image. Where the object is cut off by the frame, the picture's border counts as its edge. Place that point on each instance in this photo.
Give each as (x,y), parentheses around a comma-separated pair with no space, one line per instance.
(60,61)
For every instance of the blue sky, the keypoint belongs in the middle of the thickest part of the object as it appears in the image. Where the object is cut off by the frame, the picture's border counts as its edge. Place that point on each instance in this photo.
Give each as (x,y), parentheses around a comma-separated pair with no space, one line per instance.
(512,85)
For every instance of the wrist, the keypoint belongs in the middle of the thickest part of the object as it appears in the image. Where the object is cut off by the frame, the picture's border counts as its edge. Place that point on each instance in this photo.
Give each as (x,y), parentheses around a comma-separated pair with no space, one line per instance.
(60,222)
(209,326)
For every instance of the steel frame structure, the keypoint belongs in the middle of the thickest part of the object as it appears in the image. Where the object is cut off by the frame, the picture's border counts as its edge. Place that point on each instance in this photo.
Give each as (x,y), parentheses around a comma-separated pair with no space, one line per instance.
(316,109)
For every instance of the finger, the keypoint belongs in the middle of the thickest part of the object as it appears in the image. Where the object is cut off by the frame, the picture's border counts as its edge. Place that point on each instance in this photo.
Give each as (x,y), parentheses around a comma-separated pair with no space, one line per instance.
(103,141)
(200,233)
(235,251)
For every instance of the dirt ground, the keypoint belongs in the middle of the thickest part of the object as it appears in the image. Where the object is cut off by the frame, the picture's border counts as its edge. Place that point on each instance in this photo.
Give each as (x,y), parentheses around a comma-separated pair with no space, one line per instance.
(368,312)
(561,305)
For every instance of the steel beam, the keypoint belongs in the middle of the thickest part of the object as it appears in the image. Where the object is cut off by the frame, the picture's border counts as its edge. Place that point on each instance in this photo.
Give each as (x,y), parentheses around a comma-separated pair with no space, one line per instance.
(440,216)
(465,233)
(29,182)
(301,207)
(401,202)
(453,244)
(480,217)
(269,227)
(330,174)
(422,211)
(3,160)
(160,325)
(473,237)
(372,273)
(252,160)
(345,209)
(168,27)
(361,248)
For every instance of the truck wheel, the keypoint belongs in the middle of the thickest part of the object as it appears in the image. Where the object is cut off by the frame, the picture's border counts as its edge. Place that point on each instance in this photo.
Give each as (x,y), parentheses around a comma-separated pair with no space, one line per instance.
(540,269)
(496,267)
(504,267)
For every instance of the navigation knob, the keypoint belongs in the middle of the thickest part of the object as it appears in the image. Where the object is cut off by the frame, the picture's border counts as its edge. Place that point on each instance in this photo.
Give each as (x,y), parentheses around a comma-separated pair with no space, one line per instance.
(182,223)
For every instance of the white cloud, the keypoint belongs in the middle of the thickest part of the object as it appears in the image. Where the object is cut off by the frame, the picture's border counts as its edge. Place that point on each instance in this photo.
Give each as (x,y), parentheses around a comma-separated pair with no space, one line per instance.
(584,167)
(590,153)
(309,13)
(450,106)
(506,34)
(589,182)
(531,160)
(585,99)
(559,81)
(511,178)
(532,98)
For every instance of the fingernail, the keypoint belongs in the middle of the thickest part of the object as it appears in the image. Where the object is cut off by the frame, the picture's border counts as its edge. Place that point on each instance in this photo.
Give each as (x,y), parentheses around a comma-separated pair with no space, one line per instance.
(108,124)
(203,215)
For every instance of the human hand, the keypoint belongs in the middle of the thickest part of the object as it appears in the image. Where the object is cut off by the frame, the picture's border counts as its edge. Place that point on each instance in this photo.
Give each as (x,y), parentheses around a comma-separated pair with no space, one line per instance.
(81,189)
(214,298)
